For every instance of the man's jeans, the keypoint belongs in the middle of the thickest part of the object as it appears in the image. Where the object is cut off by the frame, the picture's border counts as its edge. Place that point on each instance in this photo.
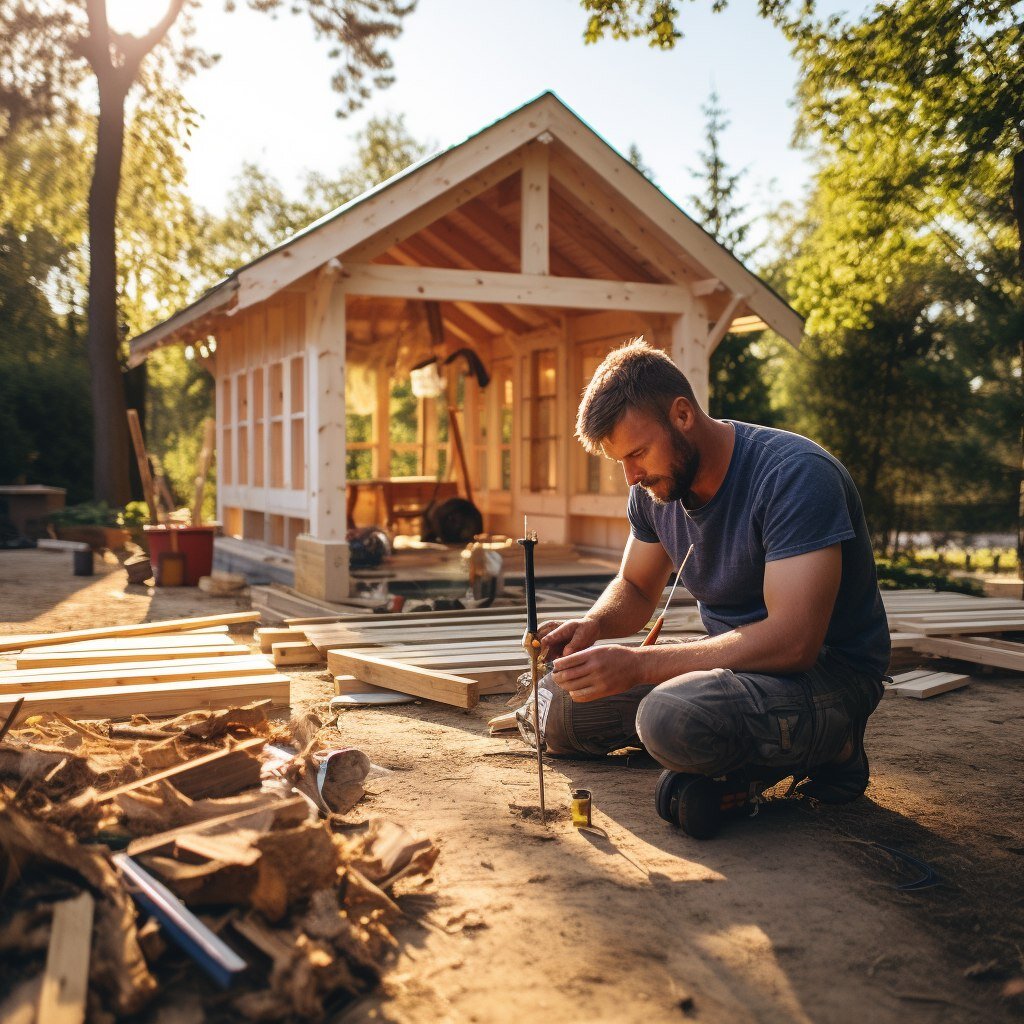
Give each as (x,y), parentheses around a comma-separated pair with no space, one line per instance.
(716,721)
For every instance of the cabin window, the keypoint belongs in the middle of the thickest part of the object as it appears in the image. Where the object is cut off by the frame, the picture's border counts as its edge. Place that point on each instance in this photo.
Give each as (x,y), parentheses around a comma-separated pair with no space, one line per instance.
(542,419)
(360,425)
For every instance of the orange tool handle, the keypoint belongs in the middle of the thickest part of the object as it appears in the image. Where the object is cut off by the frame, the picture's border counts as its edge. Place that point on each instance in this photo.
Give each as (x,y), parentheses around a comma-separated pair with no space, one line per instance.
(655,631)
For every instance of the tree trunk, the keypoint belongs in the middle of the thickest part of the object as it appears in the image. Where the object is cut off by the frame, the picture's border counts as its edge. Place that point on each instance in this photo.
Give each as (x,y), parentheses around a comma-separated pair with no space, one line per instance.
(110,428)
(1017,190)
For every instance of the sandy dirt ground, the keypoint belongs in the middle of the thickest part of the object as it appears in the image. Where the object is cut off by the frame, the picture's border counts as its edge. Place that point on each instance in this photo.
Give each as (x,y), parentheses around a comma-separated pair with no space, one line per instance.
(792,916)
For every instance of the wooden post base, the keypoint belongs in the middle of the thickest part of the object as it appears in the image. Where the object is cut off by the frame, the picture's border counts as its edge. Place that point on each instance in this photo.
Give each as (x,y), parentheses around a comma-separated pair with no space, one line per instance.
(321,568)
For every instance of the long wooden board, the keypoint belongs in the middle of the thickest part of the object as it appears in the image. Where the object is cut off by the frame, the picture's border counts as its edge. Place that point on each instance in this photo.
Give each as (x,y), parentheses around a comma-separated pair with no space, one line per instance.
(132,674)
(154,701)
(212,637)
(433,685)
(20,643)
(975,649)
(66,978)
(925,683)
(78,659)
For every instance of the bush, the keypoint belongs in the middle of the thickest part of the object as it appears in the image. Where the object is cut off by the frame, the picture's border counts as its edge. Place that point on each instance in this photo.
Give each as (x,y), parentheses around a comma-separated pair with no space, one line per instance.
(902,575)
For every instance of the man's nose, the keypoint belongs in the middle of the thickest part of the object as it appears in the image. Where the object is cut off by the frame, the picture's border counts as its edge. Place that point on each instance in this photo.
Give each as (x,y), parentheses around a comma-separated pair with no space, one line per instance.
(634,474)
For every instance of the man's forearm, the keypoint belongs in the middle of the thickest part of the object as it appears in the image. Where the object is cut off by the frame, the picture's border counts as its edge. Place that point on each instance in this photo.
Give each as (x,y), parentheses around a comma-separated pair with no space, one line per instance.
(763,646)
(621,609)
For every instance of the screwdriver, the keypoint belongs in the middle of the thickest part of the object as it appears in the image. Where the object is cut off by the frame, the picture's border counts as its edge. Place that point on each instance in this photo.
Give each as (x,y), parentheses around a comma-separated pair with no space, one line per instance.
(660,621)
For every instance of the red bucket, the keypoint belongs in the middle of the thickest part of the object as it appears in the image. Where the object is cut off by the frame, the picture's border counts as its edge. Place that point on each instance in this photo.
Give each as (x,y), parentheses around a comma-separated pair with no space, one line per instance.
(194,542)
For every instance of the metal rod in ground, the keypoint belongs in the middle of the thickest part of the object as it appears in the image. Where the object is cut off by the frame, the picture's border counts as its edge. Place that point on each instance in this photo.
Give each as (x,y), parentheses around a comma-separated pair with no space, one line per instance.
(534,654)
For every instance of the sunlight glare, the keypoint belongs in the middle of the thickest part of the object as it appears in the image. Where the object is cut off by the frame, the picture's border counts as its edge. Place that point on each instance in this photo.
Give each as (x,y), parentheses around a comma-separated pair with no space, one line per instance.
(135,17)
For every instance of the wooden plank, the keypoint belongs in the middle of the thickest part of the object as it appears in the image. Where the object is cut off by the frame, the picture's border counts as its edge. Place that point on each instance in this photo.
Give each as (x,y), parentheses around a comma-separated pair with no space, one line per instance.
(448,285)
(267,637)
(19,643)
(191,777)
(205,456)
(298,653)
(534,241)
(900,640)
(153,701)
(212,638)
(77,659)
(930,685)
(132,674)
(1008,656)
(432,685)
(66,979)
(148,490)
(952,628)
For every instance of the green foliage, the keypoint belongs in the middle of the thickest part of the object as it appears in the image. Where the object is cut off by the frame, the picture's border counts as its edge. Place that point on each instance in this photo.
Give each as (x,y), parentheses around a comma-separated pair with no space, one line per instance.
(87,513)
(45,416)
(136,514)
(903,574)
(653,20)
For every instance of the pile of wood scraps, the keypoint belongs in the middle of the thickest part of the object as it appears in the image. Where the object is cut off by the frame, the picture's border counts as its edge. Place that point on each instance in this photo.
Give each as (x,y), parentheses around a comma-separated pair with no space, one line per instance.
(203,857)
(152,668)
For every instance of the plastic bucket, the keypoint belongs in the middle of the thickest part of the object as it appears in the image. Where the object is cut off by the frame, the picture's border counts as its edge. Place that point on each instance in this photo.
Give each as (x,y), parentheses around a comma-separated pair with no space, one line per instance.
(81,562)
(194,542)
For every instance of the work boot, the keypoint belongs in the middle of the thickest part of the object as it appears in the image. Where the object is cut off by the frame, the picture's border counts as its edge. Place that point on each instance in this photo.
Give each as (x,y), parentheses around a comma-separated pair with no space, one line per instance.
(839,782)
(698,804)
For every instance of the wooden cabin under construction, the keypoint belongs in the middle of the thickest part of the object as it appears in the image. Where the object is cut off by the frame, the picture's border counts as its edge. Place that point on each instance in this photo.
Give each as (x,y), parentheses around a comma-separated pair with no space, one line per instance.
(504,268)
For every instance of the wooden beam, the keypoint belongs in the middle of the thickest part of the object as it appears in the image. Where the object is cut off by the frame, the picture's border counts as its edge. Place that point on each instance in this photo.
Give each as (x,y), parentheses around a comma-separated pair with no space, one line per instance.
(66,979)
(978,650)
(142,459)
(618,220)
(154,701)
(669,224)
(76,659)
(514,289)
(132,674)
(19,643)
(439,686)
(723,323)
(435,209)
(534,215)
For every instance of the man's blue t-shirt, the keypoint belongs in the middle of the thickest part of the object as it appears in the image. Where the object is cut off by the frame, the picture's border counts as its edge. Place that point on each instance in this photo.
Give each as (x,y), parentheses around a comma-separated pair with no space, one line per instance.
(782,495)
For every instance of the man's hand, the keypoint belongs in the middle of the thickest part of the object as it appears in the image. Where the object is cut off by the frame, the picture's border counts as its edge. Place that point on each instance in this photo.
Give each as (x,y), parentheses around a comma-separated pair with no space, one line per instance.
(598,672)
(558,638)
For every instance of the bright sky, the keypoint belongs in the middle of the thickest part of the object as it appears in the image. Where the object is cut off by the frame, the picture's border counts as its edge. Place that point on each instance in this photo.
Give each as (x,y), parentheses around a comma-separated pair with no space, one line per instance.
(461,64)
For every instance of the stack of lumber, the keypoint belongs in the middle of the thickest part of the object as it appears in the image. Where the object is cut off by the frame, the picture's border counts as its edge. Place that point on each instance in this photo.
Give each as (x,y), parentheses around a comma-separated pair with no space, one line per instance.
(151,668)
(219,813)
(951,626)
(451,657)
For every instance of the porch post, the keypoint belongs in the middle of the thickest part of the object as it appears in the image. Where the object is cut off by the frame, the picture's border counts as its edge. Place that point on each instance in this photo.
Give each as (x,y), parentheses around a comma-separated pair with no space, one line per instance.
(321,556)
(689,350)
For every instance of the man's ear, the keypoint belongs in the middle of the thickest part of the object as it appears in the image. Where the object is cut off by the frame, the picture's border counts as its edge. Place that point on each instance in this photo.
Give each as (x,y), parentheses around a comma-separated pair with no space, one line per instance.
(682,415)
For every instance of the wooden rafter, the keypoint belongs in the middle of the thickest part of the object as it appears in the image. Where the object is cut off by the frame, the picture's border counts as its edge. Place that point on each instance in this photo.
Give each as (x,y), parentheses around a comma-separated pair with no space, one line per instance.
(490,221)
(621,224)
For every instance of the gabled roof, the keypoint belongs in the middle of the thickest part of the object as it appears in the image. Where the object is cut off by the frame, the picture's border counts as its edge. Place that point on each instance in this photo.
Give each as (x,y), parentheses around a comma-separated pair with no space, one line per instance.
(398,207)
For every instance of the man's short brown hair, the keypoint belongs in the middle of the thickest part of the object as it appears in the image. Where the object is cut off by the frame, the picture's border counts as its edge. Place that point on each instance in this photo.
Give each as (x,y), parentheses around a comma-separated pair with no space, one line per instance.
(633,376)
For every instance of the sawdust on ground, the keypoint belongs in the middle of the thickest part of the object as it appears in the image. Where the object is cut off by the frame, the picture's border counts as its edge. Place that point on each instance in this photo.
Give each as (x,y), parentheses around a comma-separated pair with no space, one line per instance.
(793,916)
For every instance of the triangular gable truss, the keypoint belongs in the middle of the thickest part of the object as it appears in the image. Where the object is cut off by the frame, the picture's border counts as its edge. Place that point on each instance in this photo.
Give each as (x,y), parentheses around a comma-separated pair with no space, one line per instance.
(433,232)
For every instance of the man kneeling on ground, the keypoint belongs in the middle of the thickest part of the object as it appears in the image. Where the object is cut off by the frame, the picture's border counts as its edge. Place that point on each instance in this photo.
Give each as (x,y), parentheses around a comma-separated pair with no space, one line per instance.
(784,576)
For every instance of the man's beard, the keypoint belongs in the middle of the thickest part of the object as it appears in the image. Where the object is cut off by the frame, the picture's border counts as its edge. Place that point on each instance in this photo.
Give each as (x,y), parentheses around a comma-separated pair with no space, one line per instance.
(683,471)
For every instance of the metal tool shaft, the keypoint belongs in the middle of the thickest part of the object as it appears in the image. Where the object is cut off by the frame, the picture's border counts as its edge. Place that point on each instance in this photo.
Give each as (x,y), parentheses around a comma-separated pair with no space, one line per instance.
(529,542)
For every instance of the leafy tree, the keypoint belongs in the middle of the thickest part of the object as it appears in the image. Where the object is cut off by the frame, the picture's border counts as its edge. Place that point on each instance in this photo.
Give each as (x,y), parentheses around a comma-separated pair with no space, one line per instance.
(60,40)
(939,84)
(636,158)
(260,215)
(739,385)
